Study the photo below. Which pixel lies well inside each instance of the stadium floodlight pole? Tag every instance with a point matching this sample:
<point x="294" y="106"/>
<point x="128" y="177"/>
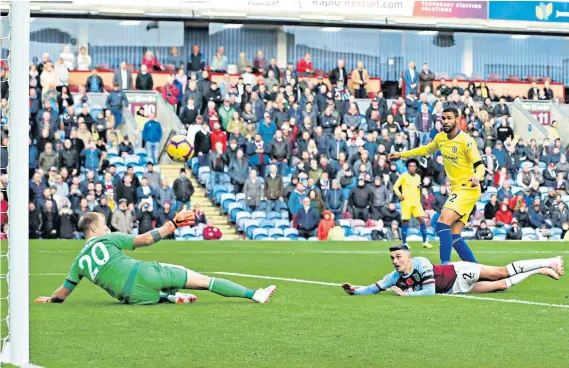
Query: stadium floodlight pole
<point x="18" y="236"/>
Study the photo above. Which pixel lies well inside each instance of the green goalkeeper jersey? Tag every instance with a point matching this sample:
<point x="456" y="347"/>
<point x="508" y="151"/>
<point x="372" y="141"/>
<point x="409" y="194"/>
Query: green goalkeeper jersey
<point x="103" y="262"/>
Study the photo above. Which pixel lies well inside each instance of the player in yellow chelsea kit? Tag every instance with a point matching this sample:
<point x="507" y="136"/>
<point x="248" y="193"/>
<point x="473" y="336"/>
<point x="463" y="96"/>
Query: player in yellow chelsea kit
<point x="410" y="197"/>
<point x="464" y="168"/>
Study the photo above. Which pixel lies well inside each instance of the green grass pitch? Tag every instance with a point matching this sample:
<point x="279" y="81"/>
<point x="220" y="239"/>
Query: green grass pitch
<point x="304" y="324"/>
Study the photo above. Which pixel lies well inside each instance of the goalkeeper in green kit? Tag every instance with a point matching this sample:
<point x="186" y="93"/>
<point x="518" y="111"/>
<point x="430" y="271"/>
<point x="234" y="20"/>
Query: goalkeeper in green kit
<point x="103" y="262"/>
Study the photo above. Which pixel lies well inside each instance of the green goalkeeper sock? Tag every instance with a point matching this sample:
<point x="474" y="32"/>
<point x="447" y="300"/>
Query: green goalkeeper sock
<point x="228" y="288"/>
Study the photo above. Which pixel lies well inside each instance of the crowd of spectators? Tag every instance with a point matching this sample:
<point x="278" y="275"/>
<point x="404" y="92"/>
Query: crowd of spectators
<point x="271" y="125"/>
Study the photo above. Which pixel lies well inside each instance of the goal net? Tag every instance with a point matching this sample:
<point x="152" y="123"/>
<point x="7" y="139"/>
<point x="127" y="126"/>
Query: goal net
<point x="14" y="158"/>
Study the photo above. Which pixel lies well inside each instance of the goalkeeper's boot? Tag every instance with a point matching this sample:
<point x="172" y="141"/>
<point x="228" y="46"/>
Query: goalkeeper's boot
<point x="427" y="245"/>
<point x="182" y="298"/>
<point x="262" y="295"/>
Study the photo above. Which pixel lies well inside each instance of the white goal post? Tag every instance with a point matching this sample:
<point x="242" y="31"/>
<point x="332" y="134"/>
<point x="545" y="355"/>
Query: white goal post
<point x="17" y="348"/>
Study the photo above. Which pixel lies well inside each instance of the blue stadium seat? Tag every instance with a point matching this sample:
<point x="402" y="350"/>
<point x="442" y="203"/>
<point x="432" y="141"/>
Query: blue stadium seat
<point x="112" y="152"/>
<point x="95" y="110"/>
<point x="234" y="209"/>
<point x="258" y="215"/>
<point x="139" y="151"/>
<point x="240" y="197"/>
<point x="283" y="239"/>
<point x="556" y="231"/>
<point x="121" y="170"/>
<point x="365" y="232"/>
<point x="556" y="237"/>
<point x="251" y="225"/>
<point x="291" y="233"/>
<point x="226" y="199"/>
<point x="491" y="190"/>
<point x="527" y="163"/>
<point x="284" y="214"/>
<point x="117" y="161"/>
<point x="529" y="237"/>
<point x="499" y="231"/>
<point x="132" y="160"/>
<point x="542" y="165"/>
<point x="240" y="218"/>
<point x="282" y="224"/>
<point x="139" y="170"/>
<point x="414" y="237"/>
<point x="313" y="238"/>
<point x="273" y="215"/>
<point x="528" y="231"/>
<point x="260" y="234"/>
<point x="500" y="237"/>
<point x="468" y="234"/>
<point x="276" y="233"/>
<point x="267" y="224"/>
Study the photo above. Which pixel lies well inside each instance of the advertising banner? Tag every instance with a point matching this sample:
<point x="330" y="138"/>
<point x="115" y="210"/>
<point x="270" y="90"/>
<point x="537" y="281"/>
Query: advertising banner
<point x="370" y="7"/>
<point x="451" y="9"/>
<point x="541" y="111"/>
<point x="532" y="11"/>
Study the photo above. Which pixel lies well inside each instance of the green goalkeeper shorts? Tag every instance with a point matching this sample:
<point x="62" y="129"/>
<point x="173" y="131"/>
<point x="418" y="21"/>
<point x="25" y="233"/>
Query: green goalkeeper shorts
<point x="153" y="278"/>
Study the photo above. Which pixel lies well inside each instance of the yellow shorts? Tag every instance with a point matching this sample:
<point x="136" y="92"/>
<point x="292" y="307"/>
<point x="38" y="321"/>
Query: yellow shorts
<point x="411" y="209"/>
<point x="462" y="201"/>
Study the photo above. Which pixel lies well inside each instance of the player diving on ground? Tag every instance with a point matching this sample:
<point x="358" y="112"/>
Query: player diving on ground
<point x="464" y="169"/>
<point x="417" y="276"/>
<point x="103" y="262"/>
<point x="407" y="188"/>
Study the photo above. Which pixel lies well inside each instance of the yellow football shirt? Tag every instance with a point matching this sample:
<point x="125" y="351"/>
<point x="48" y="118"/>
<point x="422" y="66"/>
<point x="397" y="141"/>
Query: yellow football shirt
<point x="459" y="156"/>
<point x="410" y="188"/>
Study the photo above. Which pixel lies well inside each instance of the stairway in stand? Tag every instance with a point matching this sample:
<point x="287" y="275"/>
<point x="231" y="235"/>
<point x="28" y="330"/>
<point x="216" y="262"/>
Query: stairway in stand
<point x="172" y="172"/>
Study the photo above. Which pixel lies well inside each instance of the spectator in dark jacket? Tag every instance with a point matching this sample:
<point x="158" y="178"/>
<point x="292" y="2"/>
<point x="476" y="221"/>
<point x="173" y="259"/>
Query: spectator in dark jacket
<point x="66" y="223"/>
<point x="360" y="200"/>
<point x="337" y="145"/>
<point x="538" y="219"/>
<point x="202" y="144"/>
<point x="515" y="232"/>
<point x="104" y="209"/>
<point x="127" y="190"/>
<point x="35" y="217"/>
<point x="145" y="216"/>
<point x="189" y="112"/>
<point x="483" y="232"/>
<point x="94" y="82"/>
<point x="183" y="190"/>
<point x="338" y="73"/>
<point x="49" y="220"/>
<point x="491" y="208"/>
<point x="307" y="219"/>
<point x="164" y="215"/>
<point x="501" y="109"/>
<point x="144" y="80"/>
<point x="390" y="214"/>
<point x="125" y="147"/>
<point x="116" y="100"/>
<point x="335" y="199"/>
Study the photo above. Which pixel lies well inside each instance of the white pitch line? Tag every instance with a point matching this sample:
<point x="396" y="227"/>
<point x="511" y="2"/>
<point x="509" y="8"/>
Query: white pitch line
<point x="293" y="251"/>
<point x="515" y="301"/>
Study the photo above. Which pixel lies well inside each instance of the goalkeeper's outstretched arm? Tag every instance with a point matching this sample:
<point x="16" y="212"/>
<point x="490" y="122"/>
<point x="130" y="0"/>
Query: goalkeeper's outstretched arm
<point x="183" y="218"/>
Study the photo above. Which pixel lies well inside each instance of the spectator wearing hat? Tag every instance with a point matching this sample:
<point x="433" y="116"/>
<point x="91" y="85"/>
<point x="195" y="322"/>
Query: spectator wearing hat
<point x="122" y="219"/>
<point x="360" y="79"/>
<point x="211" y="232"/>
<point x="483" y="232"/>
<point x="325" y="225"/>
<point x="152" y="135"/>
<point x="360" y="200"/>
<point x="183" y="191"/>
<point x="144" y="81"/>
<point x="515" y="232"/>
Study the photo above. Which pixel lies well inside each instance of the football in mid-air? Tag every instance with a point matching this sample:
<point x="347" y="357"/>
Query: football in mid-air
<point x="179" y="148"/>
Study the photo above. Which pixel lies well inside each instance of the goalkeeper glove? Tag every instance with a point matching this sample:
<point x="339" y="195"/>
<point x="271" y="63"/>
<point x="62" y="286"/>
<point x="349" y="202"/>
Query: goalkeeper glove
<point x="184" y="218"/>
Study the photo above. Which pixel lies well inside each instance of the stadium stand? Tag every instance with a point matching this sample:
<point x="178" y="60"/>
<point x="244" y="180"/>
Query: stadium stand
<point x="304" y="134"/>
